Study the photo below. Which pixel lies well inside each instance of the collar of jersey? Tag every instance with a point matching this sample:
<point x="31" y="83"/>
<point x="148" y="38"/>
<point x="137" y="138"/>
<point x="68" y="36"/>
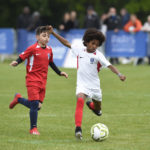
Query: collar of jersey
<point x="38" y="46"/>
<point x="89" y="52"/>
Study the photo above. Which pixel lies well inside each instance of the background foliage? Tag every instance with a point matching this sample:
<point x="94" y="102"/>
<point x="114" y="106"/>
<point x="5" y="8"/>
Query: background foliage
<point x="53" y="10"/>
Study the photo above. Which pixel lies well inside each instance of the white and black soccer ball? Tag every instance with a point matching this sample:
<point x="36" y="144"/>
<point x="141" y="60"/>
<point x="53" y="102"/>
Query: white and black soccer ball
<point x="99" y="132"/>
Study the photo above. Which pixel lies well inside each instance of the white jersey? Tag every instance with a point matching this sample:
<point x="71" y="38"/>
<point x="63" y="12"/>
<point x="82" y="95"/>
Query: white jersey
<point x="88" y="66"/>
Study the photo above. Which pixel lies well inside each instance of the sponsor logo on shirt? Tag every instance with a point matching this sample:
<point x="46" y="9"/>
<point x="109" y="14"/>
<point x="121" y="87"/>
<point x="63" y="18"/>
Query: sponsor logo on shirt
<point x="37" y="54"/>
<point x="91" y="60"/>
<point x="37" y="46"/>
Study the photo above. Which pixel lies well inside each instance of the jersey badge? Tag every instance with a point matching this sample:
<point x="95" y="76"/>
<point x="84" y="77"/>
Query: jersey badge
<point x="91" y="60"/>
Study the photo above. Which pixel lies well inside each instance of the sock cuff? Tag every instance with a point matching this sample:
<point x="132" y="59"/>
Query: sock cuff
<point x="80" y="99"/>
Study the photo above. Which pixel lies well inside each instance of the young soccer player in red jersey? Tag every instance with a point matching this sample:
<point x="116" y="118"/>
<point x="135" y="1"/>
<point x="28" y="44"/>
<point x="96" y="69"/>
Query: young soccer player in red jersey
<point x="90" y="61"/>
<point x="39" y="56"/>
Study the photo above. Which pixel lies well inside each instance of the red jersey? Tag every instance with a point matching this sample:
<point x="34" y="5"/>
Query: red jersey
<point x="38" y="60"/>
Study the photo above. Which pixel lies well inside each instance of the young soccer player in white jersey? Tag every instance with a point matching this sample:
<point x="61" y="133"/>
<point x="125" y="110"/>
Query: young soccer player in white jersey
<point x="90" y="60"/>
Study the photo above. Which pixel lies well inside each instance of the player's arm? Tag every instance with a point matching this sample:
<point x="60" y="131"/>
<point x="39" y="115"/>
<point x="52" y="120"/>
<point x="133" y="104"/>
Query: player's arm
<point x="24" y="55"/>
<point x="55" y="68"/>
<point x="116" y="71"/>
<point x="60" y="38"/>
<point x="16" y="62"/>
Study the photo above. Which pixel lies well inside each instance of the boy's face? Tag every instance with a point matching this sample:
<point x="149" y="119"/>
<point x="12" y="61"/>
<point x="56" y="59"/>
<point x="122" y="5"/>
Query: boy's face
<point x="43" y="38"/>
<point x="92" y="46"/>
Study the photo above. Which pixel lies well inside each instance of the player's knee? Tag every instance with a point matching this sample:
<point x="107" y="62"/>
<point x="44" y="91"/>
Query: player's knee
<point x="81" y="96"/>
<point x="35" y="104"/>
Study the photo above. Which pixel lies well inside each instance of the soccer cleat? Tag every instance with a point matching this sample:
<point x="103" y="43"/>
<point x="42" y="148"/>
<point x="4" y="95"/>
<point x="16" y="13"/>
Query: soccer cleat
<point x="97" y="112"/>
<point x="78" y="133"/>
<point x="34" y="131"/>
<point x="14" y="101"/>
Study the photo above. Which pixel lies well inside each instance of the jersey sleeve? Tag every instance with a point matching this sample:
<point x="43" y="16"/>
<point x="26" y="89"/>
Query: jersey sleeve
<point x="26" y="54"/>
<point x="103" y="61"/>
<point x="51" y="57"/>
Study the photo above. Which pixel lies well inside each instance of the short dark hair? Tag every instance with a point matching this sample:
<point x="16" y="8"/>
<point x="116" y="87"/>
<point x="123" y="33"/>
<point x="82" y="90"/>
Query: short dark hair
<point x="93" y="34"/>
<point x="41" y="29"/>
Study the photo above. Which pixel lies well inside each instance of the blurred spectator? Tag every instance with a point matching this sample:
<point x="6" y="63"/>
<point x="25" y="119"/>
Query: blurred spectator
<point x="146" y="28"/>
<point x="103" y="27"/>
<point x="113" y="22"/>
<point x="133" y="25"/>
<point x="125" y="16"/>
<point x="66" y="24"/>
<point x="24" y="19"/>
<point x="36" y="21"/>
<point x="73" y="18"/>
<point x="91" y="19"/>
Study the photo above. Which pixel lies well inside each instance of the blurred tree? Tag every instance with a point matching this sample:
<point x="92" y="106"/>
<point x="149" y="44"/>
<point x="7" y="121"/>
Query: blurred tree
<point x="52" y="10"/>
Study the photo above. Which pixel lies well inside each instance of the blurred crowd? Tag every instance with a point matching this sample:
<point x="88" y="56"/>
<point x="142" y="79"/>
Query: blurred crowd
<point x="104" y="22"/>
<point x="28" y="21"/>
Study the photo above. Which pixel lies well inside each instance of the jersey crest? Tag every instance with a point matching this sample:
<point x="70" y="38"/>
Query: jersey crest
<point x="91" y="60"/>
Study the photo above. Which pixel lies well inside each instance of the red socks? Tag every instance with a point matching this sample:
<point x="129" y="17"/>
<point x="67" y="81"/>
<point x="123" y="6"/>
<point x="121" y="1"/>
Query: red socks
<point x="92" y="106"/>
<point x="79" y="112"/>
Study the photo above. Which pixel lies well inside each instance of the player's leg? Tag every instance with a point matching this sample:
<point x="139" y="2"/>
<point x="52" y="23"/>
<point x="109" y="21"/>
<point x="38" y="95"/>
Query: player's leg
<point x="79" y="114"/>
<point x="33" y="96"/>
<point x="39" y="93"/>
<point x="19" y="99"/>
<point x="95" y="104"/>
<point x="33" y="117"/>
<point x="41" y="97"/>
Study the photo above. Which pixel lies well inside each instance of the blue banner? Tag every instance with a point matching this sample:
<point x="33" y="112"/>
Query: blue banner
<point x="121" y="44"/>
<point x="7" y="41"/>
<point x="126" y="44"/>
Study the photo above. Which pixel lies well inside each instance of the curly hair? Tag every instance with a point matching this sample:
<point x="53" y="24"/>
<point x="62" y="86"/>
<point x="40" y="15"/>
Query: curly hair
<point x="93" y="34"/>
<point x="41" y="29"/>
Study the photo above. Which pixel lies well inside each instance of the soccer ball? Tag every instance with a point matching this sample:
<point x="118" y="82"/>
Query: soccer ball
<point x="99" y="132"/>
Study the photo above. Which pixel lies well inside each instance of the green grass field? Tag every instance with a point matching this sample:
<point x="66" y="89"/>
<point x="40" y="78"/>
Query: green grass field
<point x="126" y="112"/>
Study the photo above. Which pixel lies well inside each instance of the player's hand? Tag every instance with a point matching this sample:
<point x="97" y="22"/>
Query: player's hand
<point x="50" y="29"/>
<point x="13" y="63"/>
<point x="122" y="77"/>
<point x="64" y="74"/>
